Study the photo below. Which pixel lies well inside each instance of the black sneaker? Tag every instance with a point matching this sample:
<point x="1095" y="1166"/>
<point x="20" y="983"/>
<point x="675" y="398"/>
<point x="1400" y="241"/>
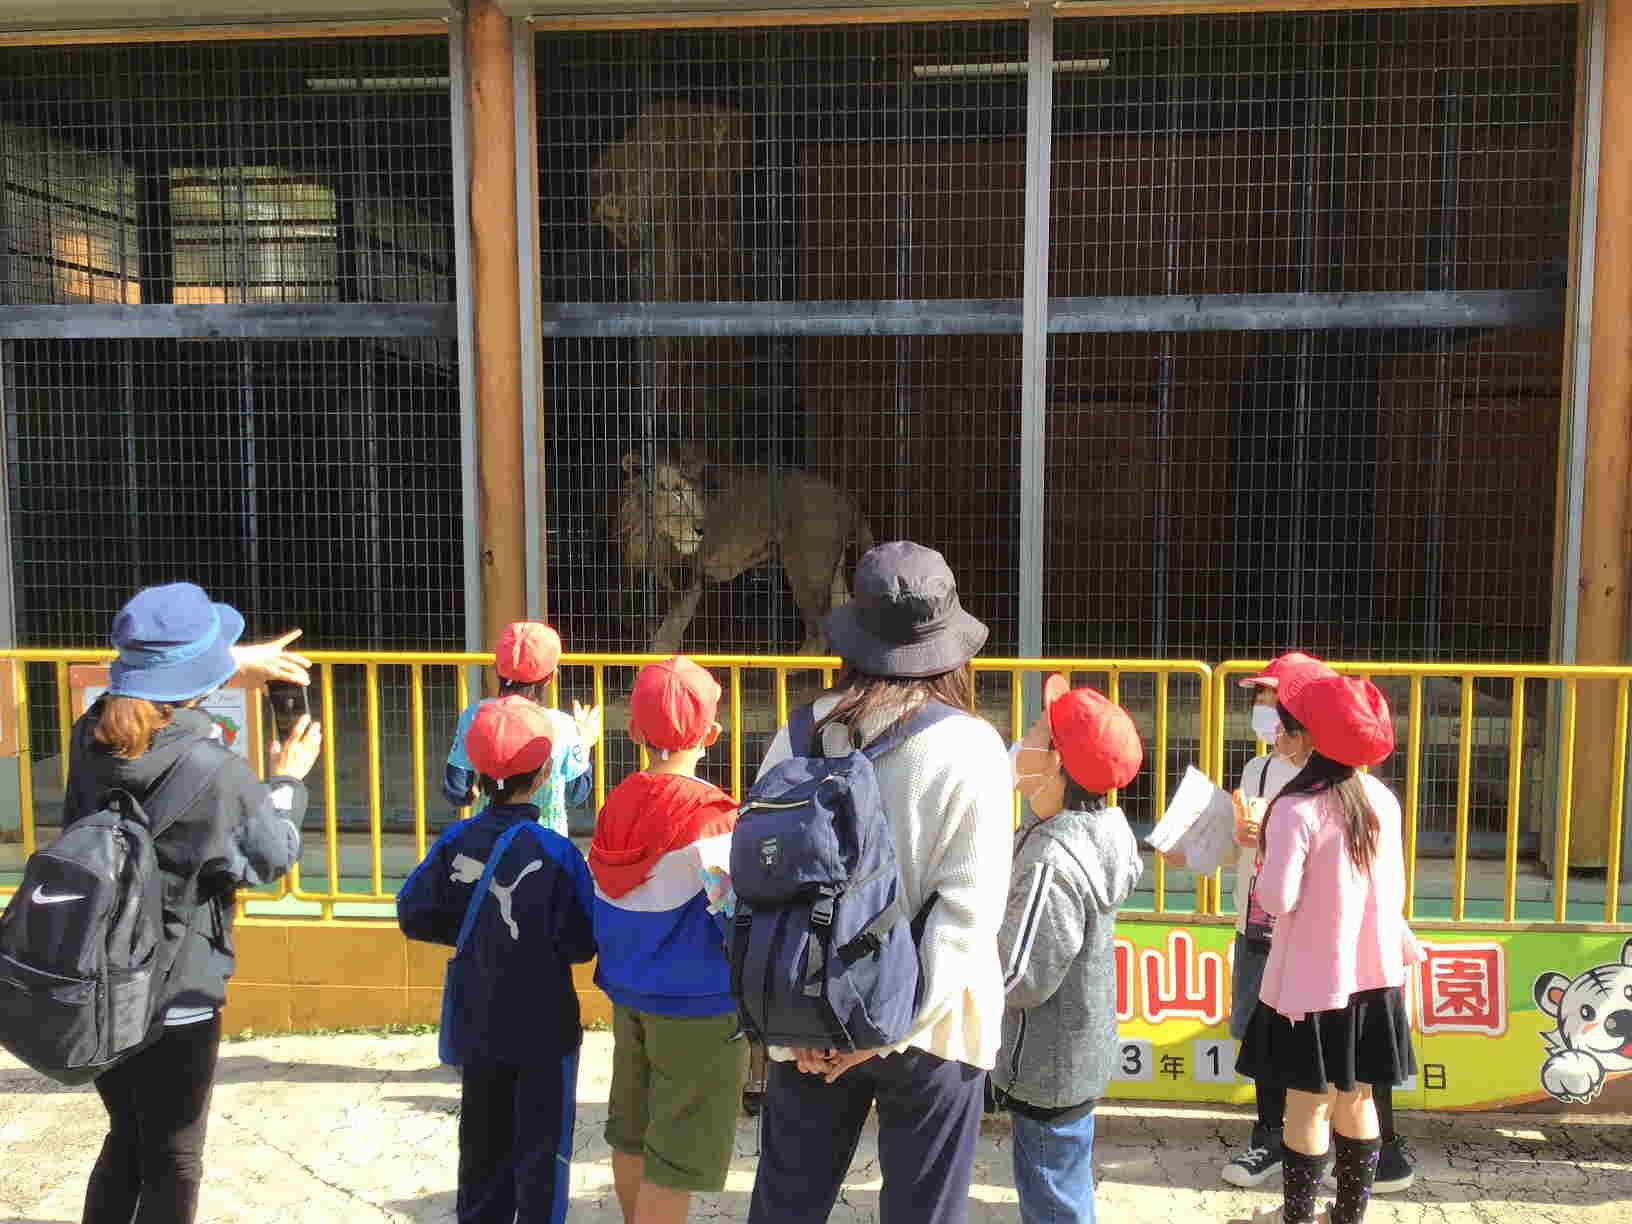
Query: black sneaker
<point x="1394" y="1171"/>
<point x="1258" y="1163"/>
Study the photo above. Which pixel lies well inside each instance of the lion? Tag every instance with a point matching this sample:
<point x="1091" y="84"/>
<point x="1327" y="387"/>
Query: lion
<point x="692" y="521"/>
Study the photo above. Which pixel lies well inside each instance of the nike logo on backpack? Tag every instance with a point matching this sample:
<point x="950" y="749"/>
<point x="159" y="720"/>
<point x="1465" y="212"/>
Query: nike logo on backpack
<point x="41" y="897"/>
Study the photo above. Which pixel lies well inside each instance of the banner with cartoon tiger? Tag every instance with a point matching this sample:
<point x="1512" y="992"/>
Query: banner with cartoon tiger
<point x="1528" y="1021"/>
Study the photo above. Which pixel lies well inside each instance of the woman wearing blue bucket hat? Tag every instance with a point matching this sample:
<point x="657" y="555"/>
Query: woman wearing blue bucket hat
<point x="226" y="828"/>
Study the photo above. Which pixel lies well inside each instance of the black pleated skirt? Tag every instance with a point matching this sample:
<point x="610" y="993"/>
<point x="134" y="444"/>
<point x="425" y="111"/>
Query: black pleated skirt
<point x="1369" y="1042"/>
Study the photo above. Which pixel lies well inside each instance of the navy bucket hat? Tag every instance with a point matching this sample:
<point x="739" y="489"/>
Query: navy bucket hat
<point x="173" y="644"/>
<point x="904" y="619"/>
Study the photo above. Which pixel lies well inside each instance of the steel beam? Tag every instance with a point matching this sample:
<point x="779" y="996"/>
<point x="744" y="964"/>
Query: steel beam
<point x="269" y="321"/>
<point x="1235" y="312"/>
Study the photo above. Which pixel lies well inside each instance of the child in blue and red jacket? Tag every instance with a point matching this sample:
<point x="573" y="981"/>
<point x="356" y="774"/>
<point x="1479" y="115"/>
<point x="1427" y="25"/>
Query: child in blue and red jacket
<point x="678" y="1058"/>
<point x="516" y="1038"/>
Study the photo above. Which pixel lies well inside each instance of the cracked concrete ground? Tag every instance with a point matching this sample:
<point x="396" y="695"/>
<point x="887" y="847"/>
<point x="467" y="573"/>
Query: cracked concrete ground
<point x="364" y="1127"/>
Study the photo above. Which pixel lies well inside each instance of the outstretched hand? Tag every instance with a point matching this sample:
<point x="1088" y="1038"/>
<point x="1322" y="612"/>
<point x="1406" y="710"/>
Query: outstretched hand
<point x="273" y="660"/>
<point x="589" y="722"/>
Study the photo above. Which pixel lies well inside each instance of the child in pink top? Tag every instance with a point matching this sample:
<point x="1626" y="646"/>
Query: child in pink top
<point x="1331" y="1018"/>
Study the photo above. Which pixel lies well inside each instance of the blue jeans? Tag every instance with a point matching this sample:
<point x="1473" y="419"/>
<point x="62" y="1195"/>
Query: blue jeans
<point x="1054" y="1170"/>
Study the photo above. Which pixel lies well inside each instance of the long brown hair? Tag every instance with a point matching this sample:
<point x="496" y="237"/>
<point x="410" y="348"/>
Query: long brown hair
<point x="862" y="696"/>
<point x="1322" y="775"/>
<point x="127" y="725"/>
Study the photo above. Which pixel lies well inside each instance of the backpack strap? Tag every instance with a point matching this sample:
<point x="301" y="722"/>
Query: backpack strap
<point x="802" y="732"/>
<point x="493" y="857"/>
<point x="925" y="717"/>
<point x="182" y="784"/>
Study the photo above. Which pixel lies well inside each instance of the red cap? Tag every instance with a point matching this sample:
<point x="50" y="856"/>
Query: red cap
<point x="673" y="703"/>
<point x="1096" y="740"/>
<point x="527" y="651"/>
<point x="1280" y="667"/>
<point x="1347" y="718"/>
<point x="509" y="736"/>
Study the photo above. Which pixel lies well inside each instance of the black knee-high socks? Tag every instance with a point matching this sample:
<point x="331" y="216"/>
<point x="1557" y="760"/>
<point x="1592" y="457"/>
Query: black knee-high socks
<point x="1300" y="1182"/>
<point x="1356" y="1169"/>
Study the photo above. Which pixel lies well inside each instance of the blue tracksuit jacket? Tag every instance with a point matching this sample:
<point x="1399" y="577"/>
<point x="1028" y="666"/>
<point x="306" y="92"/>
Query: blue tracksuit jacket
<point x="533" y="926"/>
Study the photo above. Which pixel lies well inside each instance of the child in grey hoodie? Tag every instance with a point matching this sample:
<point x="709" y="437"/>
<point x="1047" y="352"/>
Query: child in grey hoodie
<point x="1075" y="862"/>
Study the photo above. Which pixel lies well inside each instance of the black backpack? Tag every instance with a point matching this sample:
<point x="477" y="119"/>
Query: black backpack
<point x="83" y="958"/>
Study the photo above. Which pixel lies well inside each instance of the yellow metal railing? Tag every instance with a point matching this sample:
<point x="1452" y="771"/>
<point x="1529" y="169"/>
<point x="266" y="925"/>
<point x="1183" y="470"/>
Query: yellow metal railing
<point x="1520" y="762"/>
<point x="1177" y="704"/>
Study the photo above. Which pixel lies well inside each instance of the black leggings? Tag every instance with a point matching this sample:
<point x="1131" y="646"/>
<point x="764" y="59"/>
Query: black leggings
<point x="158" y="1102"/>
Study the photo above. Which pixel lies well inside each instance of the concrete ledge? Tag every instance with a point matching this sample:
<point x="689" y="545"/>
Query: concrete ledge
<point x="297" y="976"/>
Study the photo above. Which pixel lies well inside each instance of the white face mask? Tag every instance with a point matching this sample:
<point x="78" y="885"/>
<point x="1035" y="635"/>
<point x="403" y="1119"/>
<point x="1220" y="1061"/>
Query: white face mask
<point x="1266" y="723"/>
<point x="1015" y="776"/>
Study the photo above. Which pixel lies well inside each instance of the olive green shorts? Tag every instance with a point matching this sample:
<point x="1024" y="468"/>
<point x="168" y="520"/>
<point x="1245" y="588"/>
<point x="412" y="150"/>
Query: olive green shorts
<point x="676" y="1093"/>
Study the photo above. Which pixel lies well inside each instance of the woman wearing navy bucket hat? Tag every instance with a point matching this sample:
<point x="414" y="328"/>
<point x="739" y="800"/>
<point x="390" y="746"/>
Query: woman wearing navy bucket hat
<point x="1331" y="1019"/>
<point x="226" y="828"/>
<point x="906" y="642"/>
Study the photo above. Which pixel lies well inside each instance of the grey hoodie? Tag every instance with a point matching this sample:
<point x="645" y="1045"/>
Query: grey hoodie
<point x="1069" y="876"/>
<point x="239" y="831"/>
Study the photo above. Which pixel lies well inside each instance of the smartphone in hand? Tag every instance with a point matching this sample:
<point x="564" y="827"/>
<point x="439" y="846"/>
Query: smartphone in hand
<point x="285" y="704"/>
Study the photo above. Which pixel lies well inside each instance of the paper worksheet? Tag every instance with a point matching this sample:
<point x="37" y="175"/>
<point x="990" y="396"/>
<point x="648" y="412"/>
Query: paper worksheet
<point x="1199" y="821"/>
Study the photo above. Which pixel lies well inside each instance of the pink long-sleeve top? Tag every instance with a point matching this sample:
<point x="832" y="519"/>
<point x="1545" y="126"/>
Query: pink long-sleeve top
<point x="1338" y="930"/>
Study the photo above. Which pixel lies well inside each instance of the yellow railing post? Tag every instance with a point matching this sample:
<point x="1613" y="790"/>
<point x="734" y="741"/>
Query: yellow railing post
<point x="736" y="732"/>
<point x="1566" y="798"/>
<point x="331" y="814"/>
<point x="65" y="721"/>
<point x="1413" y="793"/>
<point x="1464" y="788"/>
<point x="371" y="677"/>
<point x="1617" y="806"/>
<point x="417" y="729"/>
<point x="1515" y="766"/>
<point x="25" y="758"/>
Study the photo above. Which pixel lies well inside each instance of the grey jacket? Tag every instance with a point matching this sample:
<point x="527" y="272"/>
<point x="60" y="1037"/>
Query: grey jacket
<point x="1059" y="1024"/>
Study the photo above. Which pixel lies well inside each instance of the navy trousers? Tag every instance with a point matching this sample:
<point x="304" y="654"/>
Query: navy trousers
<point x="515" y="1141"/>
<point x="928" y="1121"/>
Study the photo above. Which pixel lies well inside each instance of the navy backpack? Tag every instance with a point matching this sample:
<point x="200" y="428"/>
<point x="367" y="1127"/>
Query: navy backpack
<point x="822" y="951"/>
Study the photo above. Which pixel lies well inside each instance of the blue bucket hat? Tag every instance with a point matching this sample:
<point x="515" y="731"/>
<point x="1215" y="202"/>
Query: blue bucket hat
<point x="173" y="644"/>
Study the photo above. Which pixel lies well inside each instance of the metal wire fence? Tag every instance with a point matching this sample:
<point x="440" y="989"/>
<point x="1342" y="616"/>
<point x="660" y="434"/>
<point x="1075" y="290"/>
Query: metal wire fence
<point x="310" y="481"/>
<point x="802" y="251"/>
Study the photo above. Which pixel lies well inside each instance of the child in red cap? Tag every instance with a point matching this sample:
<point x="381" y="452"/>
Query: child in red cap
<point x="1262" y="780"/>
<point x="515" y="900"/>
<point x="526" y="657"/>
<point x="1331" y="1019"/>
<point x="678" y="1060"/>
<point x="1075" y="863"/>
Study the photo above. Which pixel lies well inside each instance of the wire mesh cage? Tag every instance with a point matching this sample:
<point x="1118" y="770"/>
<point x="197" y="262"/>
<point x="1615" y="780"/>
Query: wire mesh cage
<point x="312" y="482"/>
<point x="774" y="249"/>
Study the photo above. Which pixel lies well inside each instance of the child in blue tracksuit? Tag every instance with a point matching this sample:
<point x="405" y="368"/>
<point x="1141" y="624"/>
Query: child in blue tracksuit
<point x="513" y="1027"/>
<point x="525" y="658"/>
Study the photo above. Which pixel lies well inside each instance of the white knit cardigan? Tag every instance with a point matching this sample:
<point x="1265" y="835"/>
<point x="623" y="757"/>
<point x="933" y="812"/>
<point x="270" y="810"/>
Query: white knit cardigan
<point x="948" y="794"/>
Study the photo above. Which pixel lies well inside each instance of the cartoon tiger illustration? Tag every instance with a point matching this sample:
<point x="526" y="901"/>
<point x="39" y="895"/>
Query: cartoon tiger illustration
<point x="1594" y="1034"/>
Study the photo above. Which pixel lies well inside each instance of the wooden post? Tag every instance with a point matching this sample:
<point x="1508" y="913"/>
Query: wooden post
<point x="1606" y="512"/>
<point x="495" y="292"/>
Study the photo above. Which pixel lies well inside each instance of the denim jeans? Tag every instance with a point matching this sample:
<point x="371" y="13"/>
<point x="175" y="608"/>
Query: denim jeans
<point x="1054" y="1170"/>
